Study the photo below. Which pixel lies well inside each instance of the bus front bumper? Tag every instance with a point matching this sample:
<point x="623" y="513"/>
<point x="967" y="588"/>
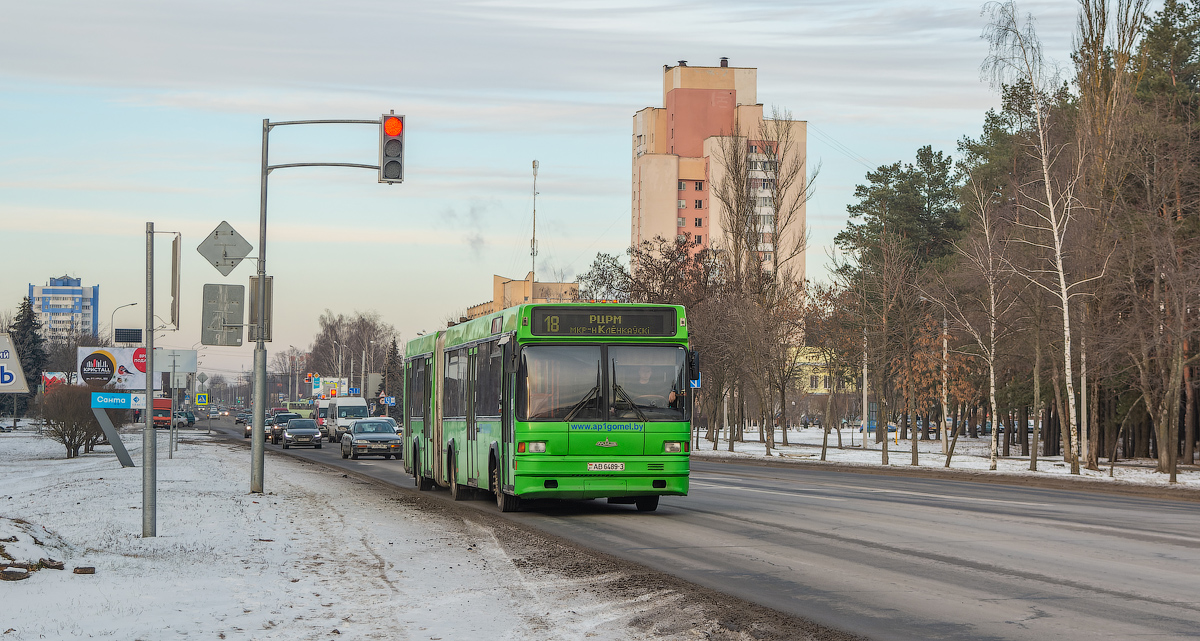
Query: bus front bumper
<point x="569" y="478"/>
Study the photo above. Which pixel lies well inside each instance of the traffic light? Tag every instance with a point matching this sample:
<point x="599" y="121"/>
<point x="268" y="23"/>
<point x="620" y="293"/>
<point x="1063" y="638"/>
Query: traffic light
<point x="391" y="148"/>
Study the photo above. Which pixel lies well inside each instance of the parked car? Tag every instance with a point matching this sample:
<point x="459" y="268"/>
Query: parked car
<point x="301" y="431"/>
<point x="371" y="437"/>
<point x="278" y="423"/>
<point x="179" y="420"/>
<point x="892" y="427"/>
<point x="190" y="416"/>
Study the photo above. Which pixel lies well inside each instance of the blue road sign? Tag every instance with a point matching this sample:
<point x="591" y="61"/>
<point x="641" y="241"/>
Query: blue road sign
<point x="696" y="383"/>
<point x="108" y="400"/>
<point x="353" y="391"/>
<point x="202" y="399"/>
<point x="389" y="400"/>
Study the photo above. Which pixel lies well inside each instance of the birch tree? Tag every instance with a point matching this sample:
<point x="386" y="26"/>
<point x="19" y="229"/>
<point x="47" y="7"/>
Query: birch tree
<point x="1050" y="197"/>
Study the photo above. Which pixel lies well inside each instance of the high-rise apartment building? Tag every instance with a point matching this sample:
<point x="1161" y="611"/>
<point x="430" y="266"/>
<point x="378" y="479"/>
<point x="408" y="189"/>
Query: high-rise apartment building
<point x="680" y="155"/>
<point x="66" y="308"/>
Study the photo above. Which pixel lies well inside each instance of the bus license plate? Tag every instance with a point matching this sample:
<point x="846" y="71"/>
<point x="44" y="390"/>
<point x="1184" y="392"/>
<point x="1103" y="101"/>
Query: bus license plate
<point x="606" y="467"/>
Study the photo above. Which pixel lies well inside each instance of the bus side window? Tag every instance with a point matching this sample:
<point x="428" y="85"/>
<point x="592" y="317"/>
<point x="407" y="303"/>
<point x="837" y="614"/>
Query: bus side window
<point x="488" y="368"/>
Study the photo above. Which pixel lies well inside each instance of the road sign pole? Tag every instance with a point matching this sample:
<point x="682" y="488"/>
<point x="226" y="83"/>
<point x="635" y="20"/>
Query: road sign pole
<point x="258" y="436"/>
<point x="149" y="438"/>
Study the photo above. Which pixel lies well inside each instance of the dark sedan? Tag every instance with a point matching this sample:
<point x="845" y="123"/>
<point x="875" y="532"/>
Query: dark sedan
<point x="301" y="431"/>
<point x="371" y="437"/>
<point x="278" y="423"/>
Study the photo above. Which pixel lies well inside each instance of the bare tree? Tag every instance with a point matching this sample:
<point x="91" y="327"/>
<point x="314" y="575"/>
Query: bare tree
<point x="978" y="308"/>
<point x="69" y="419"/>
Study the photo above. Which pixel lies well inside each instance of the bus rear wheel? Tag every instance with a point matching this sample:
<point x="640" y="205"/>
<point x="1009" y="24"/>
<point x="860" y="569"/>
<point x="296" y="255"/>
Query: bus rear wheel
<point x="647" y="503"/>
<point x="457" y="492"/>
<point x="506" y="502"/>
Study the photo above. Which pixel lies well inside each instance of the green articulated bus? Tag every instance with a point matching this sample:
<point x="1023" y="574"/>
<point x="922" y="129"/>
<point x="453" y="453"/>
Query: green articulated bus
<point x="553" y="401"/>
<point x="303" y="408"/>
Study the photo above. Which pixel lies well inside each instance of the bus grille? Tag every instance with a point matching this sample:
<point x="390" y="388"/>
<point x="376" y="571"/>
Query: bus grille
<point x="654" y="466"/>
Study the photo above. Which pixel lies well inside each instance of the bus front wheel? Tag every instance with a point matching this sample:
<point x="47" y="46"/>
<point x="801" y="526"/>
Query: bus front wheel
<point x="506" y="502"/>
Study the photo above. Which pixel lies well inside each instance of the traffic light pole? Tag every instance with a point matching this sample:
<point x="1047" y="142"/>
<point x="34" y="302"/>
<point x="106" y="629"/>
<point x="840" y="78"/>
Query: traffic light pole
<point x="259" y="406"/>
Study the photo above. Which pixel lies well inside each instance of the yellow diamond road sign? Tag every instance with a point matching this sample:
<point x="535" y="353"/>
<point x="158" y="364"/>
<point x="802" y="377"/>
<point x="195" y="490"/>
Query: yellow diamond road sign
<point x="202" y="399"/>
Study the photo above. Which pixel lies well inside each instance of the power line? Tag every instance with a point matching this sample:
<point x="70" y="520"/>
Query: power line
<point x="840" y="148"/>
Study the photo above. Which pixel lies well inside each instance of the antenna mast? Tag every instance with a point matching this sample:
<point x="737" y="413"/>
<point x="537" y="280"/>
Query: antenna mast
<point x="533" y="241"/>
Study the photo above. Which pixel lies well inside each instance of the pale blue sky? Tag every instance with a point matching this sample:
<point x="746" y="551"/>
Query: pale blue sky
<point x="118" y="112"/>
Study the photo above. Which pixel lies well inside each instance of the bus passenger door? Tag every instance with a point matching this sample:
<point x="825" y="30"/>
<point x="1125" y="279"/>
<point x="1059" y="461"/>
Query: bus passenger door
<point x="508" y="407"/>
<point x="437" y="378"/>
<point x="472" y="451"/>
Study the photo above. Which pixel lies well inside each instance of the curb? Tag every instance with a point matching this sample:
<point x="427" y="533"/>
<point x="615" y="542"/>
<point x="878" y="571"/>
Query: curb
<point x="998" y="478"/>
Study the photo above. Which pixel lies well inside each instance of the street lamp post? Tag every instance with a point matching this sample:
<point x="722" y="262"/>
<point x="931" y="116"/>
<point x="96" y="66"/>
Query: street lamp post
<point x="339" y="348"/>
<point x="112" y="319"/>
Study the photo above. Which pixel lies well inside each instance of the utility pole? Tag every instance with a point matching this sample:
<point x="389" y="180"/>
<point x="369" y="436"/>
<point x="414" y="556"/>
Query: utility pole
<point x="257" y="435"/>
<point x="149" y="438"/>
<point x="865" y="407"/>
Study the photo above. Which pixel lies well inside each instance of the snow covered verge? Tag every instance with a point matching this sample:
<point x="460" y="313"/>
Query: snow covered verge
<point x="970" y="455"/>
<point x="321" y="556"/>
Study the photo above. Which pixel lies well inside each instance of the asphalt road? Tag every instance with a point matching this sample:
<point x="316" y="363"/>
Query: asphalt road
<point x="898" y="558"/>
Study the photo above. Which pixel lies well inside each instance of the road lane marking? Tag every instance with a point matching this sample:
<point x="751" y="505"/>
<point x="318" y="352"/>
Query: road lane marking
<point x="792" y="493"/>
<point x="955" y="498"/>
<point x="921" y="494"/>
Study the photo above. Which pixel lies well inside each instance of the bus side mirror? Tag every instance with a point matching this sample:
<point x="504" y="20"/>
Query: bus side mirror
<point x="693" y="366"/>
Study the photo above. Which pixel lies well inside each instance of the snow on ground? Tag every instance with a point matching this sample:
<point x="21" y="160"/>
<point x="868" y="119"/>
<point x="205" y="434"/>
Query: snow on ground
<point x="321" y="556"/>
<point x="969" y="454"/>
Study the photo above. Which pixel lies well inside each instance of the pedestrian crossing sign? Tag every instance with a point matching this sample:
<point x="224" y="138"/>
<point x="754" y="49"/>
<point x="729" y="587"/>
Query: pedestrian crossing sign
<point x="202" y="399"/>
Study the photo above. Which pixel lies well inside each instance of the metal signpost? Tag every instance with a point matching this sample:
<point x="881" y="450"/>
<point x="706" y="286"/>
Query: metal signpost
<point x="109" y="400"/>
<point x="149" y="438"/>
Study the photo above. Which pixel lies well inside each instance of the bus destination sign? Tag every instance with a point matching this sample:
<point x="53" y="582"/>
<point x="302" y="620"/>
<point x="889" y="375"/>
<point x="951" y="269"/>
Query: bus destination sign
<point x="600" y="321"/>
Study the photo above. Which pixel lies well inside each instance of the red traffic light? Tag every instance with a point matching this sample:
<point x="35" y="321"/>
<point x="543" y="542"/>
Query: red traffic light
<point x="393" y="126"/>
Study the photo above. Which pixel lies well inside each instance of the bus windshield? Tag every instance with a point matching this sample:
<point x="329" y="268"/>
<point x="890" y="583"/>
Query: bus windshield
<point x="648" y="382"/>
<point x="593" y="382"/>
<point x="323" y="412"/>
<point x="352" y="411"/>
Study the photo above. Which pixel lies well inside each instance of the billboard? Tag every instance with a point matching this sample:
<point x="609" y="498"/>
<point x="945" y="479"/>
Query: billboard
<point x="50" y="379"/>
<point x="120" y="367"/>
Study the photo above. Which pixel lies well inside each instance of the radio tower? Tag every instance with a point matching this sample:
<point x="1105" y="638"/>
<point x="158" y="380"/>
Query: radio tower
<point x="533" y="241"/>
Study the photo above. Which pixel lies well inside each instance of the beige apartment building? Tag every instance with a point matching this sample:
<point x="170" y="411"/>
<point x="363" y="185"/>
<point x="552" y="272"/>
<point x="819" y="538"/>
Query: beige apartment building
<point x="678" y="158"/>
<point x="507" y="292"/>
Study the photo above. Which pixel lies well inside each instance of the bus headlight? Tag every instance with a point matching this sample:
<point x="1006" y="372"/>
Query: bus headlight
<point x="537" y="447"/>
<point x="673" y="447"/>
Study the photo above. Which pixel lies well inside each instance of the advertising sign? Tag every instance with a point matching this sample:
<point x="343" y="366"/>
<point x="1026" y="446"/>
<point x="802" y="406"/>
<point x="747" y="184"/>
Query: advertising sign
<point x="119" y="400"/>
<point x="50" y="379"/>
<point x="121" y="367"/>
<point x="12" y="377"/>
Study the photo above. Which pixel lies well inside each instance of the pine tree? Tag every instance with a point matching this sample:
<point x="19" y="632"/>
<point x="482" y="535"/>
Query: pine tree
<point x="393" y="380"/>
<point x="26" y="336"/>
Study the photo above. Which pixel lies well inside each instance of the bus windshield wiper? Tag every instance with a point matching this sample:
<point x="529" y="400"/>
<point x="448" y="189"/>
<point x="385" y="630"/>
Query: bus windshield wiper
<point x="592" y="393"/>
<point x="621" y="392"/>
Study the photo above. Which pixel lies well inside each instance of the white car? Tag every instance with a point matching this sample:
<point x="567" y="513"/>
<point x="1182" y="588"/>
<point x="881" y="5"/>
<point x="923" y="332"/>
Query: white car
<point x="214" y="414"/>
